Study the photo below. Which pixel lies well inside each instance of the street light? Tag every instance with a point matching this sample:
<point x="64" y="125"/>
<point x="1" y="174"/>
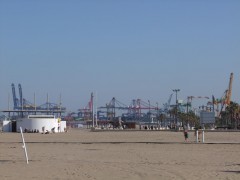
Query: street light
<point x="157" y="115"/>
<point x="157" y="109"/>
<point x="176" y="91"/>
<point x="149" y="109"/>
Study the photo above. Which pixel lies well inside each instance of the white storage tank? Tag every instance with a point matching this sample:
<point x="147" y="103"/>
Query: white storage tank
<point x="6" y="126"/>
<point x="40" y="123"/>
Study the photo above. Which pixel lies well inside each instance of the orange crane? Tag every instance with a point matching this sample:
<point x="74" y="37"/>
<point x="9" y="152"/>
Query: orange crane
<point x="226" y="98"/>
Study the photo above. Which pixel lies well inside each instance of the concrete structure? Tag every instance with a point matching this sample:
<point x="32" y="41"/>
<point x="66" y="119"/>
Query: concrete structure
<point x="41" y="123"/>
<point x="6" y="126"/>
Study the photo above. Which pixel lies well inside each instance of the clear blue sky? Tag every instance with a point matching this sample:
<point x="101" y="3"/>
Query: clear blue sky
<point x="126" y="49"/>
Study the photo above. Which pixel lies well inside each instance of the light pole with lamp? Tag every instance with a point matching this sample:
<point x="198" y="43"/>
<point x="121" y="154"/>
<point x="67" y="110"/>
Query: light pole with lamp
<point x="176" y="91"/>
<point x="158" y="121"/>
<point x="149" y="110"/>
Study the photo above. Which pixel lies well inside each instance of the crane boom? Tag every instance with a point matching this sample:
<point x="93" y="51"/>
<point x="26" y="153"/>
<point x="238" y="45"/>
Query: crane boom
<point x="167" y="105"/>
<point x="191" y="97"/>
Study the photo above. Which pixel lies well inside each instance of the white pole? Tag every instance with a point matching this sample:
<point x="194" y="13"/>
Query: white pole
<point x="92" y="99"/>
<point x="8" y="101"/>
<point x="203" y="136"/>
<point x="60" y="103"/>
<point x="24" y="145"/>
<point x="47" y="103"/>
<point x="22" y="102"/>
<point x="35" y="107"/>
<point x="197" y="136"/>
<point x="96" y="108"/>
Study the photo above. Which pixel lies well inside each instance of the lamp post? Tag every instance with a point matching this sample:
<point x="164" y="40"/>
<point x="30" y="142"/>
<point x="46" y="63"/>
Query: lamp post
<point x="157" y="110"/>
<point x="149" y="109"/>
<point x="188" y="103"/>
<point x="176" y="91"/>
<point x="157" y="115"/>
<point x="92" y="110"/>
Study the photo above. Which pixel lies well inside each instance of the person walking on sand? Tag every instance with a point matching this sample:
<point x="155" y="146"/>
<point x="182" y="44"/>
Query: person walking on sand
<point x="185" y="135"/>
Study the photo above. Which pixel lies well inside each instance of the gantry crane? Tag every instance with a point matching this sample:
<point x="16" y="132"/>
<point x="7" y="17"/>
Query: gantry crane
<point x="15" y="99"/>
<point x="23" y="104"/>
<point x="190" y="98"/>
<point x="167" y="105"/>
<point x="226" y="97"/>
<point x="135" y="110"/>
<point x="20" y="95"/>
<point x="87" y="111"/>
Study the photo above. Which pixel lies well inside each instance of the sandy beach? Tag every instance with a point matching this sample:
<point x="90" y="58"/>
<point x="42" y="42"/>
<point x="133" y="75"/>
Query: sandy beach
<point x="81" y="154"/>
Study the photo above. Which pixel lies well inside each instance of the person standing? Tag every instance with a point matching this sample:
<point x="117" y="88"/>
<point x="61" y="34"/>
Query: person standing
<point x="185" y="135"/>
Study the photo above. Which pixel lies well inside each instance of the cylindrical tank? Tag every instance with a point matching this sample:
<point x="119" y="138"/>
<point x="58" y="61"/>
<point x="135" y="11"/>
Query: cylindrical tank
<point x="38" y="123"/>
<point x="7" y="126"/>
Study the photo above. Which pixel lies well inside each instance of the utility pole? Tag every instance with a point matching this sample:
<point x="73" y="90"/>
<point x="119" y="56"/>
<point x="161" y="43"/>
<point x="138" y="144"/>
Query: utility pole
<point x="92" y="106"/>
<point x="187" y="113"/>
<point x="176" y="91"/>
<point x="96" y="117"/>
<point x="149" y="110"/>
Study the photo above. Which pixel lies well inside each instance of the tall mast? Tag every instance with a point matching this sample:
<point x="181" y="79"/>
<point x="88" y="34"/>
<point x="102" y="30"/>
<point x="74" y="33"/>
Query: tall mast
<point x="229" y="94"/>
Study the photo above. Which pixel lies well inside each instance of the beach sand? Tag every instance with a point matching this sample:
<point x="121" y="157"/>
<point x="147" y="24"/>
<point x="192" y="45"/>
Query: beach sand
<point x="82" y="154"/>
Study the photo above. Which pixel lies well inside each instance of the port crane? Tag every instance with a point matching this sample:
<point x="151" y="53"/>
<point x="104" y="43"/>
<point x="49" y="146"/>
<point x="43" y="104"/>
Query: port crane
<point x="225" y="100"/>
<point x="133" y="111"/>
<point x="112" y="106"/>
<point x="24" y="105"/>
<point x="15" y="99"/>
<point x="136" y="108"/>
<point x="20" y="103"/>
<point x="190" y="99"/>
<point x="87" y="111"/>
<point x="167" y="105"/>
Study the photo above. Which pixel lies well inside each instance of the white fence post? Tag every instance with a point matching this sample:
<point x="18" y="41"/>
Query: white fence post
<point x="196" y="136"/>
<point x="24" y="145"/>
<point x="203" y="137"/>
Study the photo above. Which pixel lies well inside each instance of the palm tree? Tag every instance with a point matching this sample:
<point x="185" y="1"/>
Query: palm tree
<point x="189" y="119"/>
<point x="193" y="119"/>
<point x="172" y="113"/>
<point x="160" y="119"/>
<point x="231" y="113"/>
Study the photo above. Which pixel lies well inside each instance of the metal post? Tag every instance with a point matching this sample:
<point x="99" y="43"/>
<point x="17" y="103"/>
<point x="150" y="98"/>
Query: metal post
<point x="176" y="91"/>
<point x="60" y="105"/>
<point x="197" y="136"/>
<point x="24" y="145"/>
<point x="203" y="137"/>
<point x="47" y="104"/>
<point x="8" y="101"/>
<point x="149" y="110"/>
<point x="96" y="118"/>
<point x="92" y="111"/>
<point x="35" y="107"/>
<point x="187" y="113"/>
